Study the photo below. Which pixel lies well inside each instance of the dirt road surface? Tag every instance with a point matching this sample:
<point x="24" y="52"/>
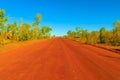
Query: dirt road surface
<point x="59" y="59"/>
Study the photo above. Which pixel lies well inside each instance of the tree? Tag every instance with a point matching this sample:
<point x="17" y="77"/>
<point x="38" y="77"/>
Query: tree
<point x="46" y="31"/>
<point x="93" y="37"/>
<point x="110" y="37"/>
<point x="24" y="32"/>
<point x="3" y="19"/>
<point x="78" y="31"/>
<point x="84" y="36"/>
<point x="116" y="33"/>
<point x="36" y="27"/>
<point x="11" y="30"/>
<point x="38" y="18"/>
<point x="71" y="34"/>
<point x="102" y="35"/>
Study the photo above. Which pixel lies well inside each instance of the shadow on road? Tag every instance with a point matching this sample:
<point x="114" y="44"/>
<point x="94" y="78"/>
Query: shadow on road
<point x="109" y="56"/>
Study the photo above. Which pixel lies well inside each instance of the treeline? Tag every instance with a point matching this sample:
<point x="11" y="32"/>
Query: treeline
<point x="21" y="31"/>
<point x="102" y="36"/>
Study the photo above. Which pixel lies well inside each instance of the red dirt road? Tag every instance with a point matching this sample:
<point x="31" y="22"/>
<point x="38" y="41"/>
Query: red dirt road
<point x="59" y="59"/>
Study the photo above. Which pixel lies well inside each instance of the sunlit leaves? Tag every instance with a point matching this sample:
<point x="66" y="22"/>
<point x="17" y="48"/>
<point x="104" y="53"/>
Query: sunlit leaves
<point x="111" y="37"/>
<point x="22" y="31"/>
<point x="46" y="31"/>
<point x="103" y="35"/>
<point x="38" y="18"/>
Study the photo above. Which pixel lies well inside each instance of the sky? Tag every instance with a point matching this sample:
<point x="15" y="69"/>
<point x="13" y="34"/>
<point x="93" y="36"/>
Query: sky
<point x="64" y="15"/>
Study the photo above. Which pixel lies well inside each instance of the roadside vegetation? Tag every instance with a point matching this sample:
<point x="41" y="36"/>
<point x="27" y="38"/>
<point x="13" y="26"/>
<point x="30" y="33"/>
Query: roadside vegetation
<point x="102" y="36"/>
<point x="21" y="31"/>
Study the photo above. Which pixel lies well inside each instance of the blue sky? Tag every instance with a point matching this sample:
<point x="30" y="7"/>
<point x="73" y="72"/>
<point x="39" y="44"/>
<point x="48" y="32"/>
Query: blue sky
<point x="62" y="15"/>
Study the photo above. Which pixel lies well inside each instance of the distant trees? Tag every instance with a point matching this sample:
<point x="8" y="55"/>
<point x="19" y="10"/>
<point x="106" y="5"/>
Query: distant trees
<point x="23" y="31"/>
<point x="46" y="31"/>
<point x="110" y="37"/>
<point x="3" y="19"/>
<point x="36" y="28"/>
<point x="93" y="37"/>
<point x="71" y="34"/>
<point x="84" y="36"/>
<point x="103" y="36"/>
<point x="79" y="34"/>
<point x="116" y="33"/>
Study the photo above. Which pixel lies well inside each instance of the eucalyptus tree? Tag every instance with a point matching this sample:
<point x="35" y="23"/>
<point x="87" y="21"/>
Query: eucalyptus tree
<point x="12" y="30"/>
<point x="103" y="35"/>
<point x="46" y="31"/>
<point x="116" y="32"/>
<point x="3" y="19"/>
<point x="36" y="27"/>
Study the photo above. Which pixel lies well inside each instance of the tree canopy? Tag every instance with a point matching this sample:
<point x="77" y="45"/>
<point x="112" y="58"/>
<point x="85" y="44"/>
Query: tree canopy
<point x="103" y="36"/>
<point x="23" y="31"/>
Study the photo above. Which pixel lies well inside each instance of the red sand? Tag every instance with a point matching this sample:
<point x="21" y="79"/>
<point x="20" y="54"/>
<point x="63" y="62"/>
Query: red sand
<point x="59" y="59"/>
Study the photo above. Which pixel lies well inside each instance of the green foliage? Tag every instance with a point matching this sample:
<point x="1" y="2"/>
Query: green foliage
<point x="116" y="33"/>
<point x="93" y="37"/>
<point x="84" y="36"/>
<point x="23" y="31"/>
<point x="102" y="35"/>
<point x="46" y="31"/>
<point x="71" y="34"/>
<point x="38" y="18"/>
<point x="110" y="37"/>
<point x="3" y="19"/>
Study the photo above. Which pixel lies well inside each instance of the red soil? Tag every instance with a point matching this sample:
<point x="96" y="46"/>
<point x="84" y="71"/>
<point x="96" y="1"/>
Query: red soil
<point x="59" y="59"/>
